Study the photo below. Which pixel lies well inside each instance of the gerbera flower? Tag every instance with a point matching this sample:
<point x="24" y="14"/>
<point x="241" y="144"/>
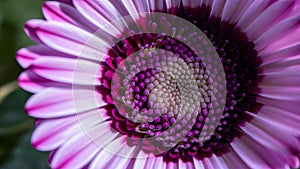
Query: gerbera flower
<point x="165" y="84"/>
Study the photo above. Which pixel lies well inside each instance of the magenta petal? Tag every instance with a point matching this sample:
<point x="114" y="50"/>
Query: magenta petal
<point x="60" y="12"/>
<point x="277" y="32"/>
<point x="72" y="40"/>
<point x="31" y="29"/>
<point x="267" y="18"/>
<point x="50" y="134"/>
<point x="52" y="102"/>
<point x="115" y="155"/>
<point x="66" y="70"/>
<point x="26" y="56"/>
<point x="217" y="7"/>
<point x="98" y="13"/>
<point x="83" y="148"/>
<point x="34" y="83"/>
<point x="254" y="10"/>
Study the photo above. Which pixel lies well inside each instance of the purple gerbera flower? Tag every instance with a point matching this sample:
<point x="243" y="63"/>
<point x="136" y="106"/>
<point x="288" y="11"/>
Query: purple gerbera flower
<point x="165" y="83"/>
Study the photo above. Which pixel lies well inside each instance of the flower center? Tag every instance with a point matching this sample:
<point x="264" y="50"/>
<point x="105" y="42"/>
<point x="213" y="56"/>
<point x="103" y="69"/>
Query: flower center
<point x="164" y="90"/>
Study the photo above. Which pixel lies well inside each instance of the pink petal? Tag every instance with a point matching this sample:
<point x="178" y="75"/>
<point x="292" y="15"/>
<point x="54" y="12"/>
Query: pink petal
<point x="172" y="165"/>
<point x="288" y="79"/>
<point x="53" y="102"/>
<point x="198" y="164"/>
<point x="34" y="83"/>
<point x="100" y="13"/>
<point x="267" y="19"/>
<point x="66" y="1"/>
<point x="185" y="165"/>
<point x="284" y="52"/>
<point x="72" y="40"/>
<point x="193" y="4"/>
<point x="281" y="93"/>
<point x="254" y="10"/>
<point x="80" y="149"/>
<point x="52" y="133"/>
<point x="171" y="5"/>
<point x="30" y="29"/>
<point x="140" y="163"/>
<point x="217" y="8"/>
<point x="218" y="162"/>
<point x="207" y="163"/>
<point x="55" y="11"/>
<point x="262" y="130"/>
<point x="234" y="161"/>
<point x="287" y="105"/>
<point x="73" y="71"/>
<point x="277" y="32"/>
<point x="291" y="38"/>
<point x="240" y="10"/>
<point x="155" y="162"/>
<point x="115" y="155"/>
<point x="270" y="158"/>
<point x="248" y="155"/>
<point x="159" y="163"/>
<point x="228" y="9"/>
<point x="26" y="56"/>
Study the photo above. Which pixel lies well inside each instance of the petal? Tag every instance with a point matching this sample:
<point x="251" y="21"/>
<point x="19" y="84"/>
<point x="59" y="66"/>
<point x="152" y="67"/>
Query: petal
<point x="281" y="92"/>
<point x="185" y="165"/>
<point x="198" y="163"/>
<point x="192" y="4"/>
<point x="26" y="56"/>
<point x="252" y="12"/>
<point x="34" y="83"/>
<point x="55" y="11"/>
<point x="217" y="8"/>
<point x="284" y="52"/>
<point x="30" y="29"/>
<point x="172" y="165"/>
<point x="262" y="130"/>
<point x="172" y="5"/>
<point x="267" y="19"/>
<point x="116" y="154"/>
<point x="81" y="149"/>
<point x="159" y="163"/>
<point x="52" y="133"/>
<point x="158" y="5"/>
<point x="66" y="1"/>
<point x="281" y="79"/>
<point x="248" y="155"/>
<point x="72" y="40"/>
<point x="228" y="9"/>
<point x="207" y="164"/>
<point x="277" y="32"/>
<point x="270" y="158"/>
<point x="287" y="105"/>
<point x="73" y="71"/>
<point x="53" y="102"/>
<point x="239" y="10"/>
<point x="218" y="162"/>
<point x="234" y="161"/>
<point x="100" y="13"/>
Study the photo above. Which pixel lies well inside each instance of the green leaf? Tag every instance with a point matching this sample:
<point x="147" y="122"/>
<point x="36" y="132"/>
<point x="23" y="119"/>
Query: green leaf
<point x="12" y="109"/>
<point x="26" y="157"/>
<point x="13" y="15"/>
<point x="13" y="121"/>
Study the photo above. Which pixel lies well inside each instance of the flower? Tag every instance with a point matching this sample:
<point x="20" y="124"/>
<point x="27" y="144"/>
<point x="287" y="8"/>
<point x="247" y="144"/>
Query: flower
<point x="129" y="85"/>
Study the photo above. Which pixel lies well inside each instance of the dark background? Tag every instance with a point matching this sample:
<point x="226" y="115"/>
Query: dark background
<point x="16" y="127"/>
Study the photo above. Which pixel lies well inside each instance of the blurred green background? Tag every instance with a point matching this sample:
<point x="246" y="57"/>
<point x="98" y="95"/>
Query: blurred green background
<point x="16" y="151"/>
